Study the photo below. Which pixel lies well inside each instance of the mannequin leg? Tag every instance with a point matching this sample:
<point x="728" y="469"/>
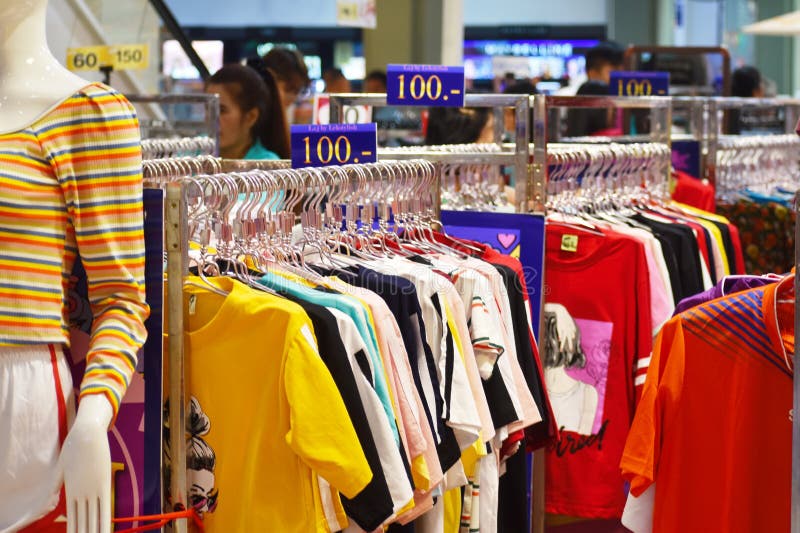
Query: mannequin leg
<point x="35" y="402"/>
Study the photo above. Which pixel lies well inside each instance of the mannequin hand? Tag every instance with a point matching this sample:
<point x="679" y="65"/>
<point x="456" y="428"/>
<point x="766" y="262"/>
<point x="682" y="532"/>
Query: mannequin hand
<point x="86" y="463"/>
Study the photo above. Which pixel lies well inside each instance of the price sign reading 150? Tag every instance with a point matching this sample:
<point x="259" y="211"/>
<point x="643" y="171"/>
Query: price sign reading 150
<point x="425" y="85"/>
<point x="333" y="144"/>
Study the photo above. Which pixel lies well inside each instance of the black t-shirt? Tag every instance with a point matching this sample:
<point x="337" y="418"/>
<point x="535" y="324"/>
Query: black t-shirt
<point x="687" y="252"/>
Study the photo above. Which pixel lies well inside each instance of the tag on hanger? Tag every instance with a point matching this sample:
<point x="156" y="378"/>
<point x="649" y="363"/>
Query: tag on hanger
<point x="569" y="243"/>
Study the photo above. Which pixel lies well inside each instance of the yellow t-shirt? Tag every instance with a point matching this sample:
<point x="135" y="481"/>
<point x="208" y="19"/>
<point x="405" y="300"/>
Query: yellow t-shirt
<point x="265" y="414"/>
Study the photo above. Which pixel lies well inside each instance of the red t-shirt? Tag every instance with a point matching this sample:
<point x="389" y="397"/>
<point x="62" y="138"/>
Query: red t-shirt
<point x="713" y="429"/>
<point x="603" y="289"/>
<point x="692" y="191"/>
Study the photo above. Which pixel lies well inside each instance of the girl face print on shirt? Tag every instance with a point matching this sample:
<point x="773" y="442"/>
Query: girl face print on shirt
<point x="576" y="355"/>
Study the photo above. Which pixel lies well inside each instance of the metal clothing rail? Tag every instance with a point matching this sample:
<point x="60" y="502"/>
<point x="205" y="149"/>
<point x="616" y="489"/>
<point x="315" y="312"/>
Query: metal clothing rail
<point x="177" y="115"/>
<point x="705" y="120"/>
<point x="177" y="256"/>
<point x="526" y="193"/>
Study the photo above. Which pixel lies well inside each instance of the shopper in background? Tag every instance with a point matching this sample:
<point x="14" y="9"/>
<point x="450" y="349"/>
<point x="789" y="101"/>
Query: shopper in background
<point x="375" y="82"/>
<point x="601" y="61"/>
<point x="459" y="125"/>
<point x="290" y="72"/>
<point x="746" y="82"/>
<point x="335" y="81"/>
<point x="252" y="124"/>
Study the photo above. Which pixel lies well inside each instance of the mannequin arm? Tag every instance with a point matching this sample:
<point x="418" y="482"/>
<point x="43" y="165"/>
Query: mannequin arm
<point x="86" y="464"/>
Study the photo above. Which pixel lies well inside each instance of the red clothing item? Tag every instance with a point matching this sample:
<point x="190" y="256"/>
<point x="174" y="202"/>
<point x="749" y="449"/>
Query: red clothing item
<point x="602" y="290"/>
<point x="693" y="191"/>
<point x="737" y="247"/>
<point x="713" y="429"/>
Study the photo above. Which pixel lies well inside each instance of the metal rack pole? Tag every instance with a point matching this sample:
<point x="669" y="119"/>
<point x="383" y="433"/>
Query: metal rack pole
<point x="525" y="189"/>
<point x="177" y="239"/>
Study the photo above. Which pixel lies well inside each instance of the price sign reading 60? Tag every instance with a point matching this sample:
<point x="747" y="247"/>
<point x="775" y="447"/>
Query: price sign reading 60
<point x="425" y="85"/>
<point x="639" y="83"/>
<point x="333" y="144"/>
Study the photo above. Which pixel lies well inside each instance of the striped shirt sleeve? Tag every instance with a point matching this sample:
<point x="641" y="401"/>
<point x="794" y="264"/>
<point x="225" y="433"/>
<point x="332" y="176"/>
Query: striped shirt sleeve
<point x="94" y="147"/>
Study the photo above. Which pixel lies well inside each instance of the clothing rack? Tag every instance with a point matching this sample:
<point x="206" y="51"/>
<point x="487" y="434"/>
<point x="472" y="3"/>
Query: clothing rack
<point x="474" y="156"/>
<point x="177" y="115"/>
<point x="706" y="119"/>
<point x="516" y="155"/>
<point x="182" y="192"/>
<point x="179" y="147"/>
<point x="757" y="162"/>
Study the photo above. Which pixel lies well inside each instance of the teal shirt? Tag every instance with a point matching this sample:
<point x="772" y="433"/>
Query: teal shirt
<point x="257" y="151"/>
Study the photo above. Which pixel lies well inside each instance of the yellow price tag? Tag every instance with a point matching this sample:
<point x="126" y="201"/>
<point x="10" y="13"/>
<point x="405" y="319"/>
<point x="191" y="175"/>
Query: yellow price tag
<point x="569" y="243"/>
<point x="118" y="57"/>
<point x="129" y="56"/>
<point x="87" y="58"/>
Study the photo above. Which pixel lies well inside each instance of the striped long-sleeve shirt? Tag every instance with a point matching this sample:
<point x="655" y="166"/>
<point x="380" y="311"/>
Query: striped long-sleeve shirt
<point x="71" y="184"/>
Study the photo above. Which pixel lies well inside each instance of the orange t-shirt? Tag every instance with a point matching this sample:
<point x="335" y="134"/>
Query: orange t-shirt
<point x="713" y="429"/>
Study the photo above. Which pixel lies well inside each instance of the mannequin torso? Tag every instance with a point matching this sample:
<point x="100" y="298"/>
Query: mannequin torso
<point x="42" y="173"/>
<point x="32" y="81"/>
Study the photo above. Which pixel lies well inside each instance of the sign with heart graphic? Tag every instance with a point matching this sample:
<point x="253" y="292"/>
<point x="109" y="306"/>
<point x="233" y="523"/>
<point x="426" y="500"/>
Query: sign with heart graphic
<point x="506" y="240"/>
<point x="517" y="235"/>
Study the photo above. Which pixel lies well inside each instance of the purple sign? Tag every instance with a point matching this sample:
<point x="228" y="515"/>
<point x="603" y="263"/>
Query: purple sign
<point x="686" y="157"/>
<point x="333" y="144"/>
<point x="515" y="234"/>
<point x="425" y="85"/>
<point x="639" y="83"/>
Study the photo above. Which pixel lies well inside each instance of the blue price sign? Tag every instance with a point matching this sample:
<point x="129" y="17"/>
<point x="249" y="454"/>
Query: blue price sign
<point x="425" y="85"/>
<point x="639" y="84"/>
<point x="333" y="144"/>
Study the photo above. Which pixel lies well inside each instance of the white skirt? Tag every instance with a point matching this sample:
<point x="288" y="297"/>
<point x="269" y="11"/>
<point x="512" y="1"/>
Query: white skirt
<point x="36" y="407"/>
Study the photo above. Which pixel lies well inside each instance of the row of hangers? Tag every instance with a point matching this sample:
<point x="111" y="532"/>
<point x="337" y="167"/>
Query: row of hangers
<point x="466" y="186"/>
<point x="761" y="163"/>
<point x="178" y="147"/>
<point x="243" y="223"/>
<point x="605" y="183"/>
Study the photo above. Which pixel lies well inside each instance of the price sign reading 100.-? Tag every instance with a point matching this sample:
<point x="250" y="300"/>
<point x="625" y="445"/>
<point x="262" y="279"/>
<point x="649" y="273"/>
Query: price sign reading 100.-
<point x="333" y="144"/>
<point x="639" y="83"/>
<point x="425" y="85"/>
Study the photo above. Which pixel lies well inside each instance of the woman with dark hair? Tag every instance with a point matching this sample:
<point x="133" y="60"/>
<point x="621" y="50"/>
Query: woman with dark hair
<point x="252" y="124"/>
<point x="459" y="125"/>
<point x="290" y="71"/>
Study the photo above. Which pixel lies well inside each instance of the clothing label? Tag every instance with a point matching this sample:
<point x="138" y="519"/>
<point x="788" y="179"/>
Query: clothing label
<point x="639" y="84"/>
<point x="425" y="85"/>
<point x="569" y="243"/>
<point x="333" y="144"/>
<point x="192" y="304"/>
<point x="118" y="57"/>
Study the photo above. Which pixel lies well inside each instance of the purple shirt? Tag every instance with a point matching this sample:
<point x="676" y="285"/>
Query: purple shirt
<point x="728" y="285"/>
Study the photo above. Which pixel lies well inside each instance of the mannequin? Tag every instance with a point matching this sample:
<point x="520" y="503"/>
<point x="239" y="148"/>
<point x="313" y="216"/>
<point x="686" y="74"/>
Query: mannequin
<point x="32" y="85"/>
<point x="32" y="80"/>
